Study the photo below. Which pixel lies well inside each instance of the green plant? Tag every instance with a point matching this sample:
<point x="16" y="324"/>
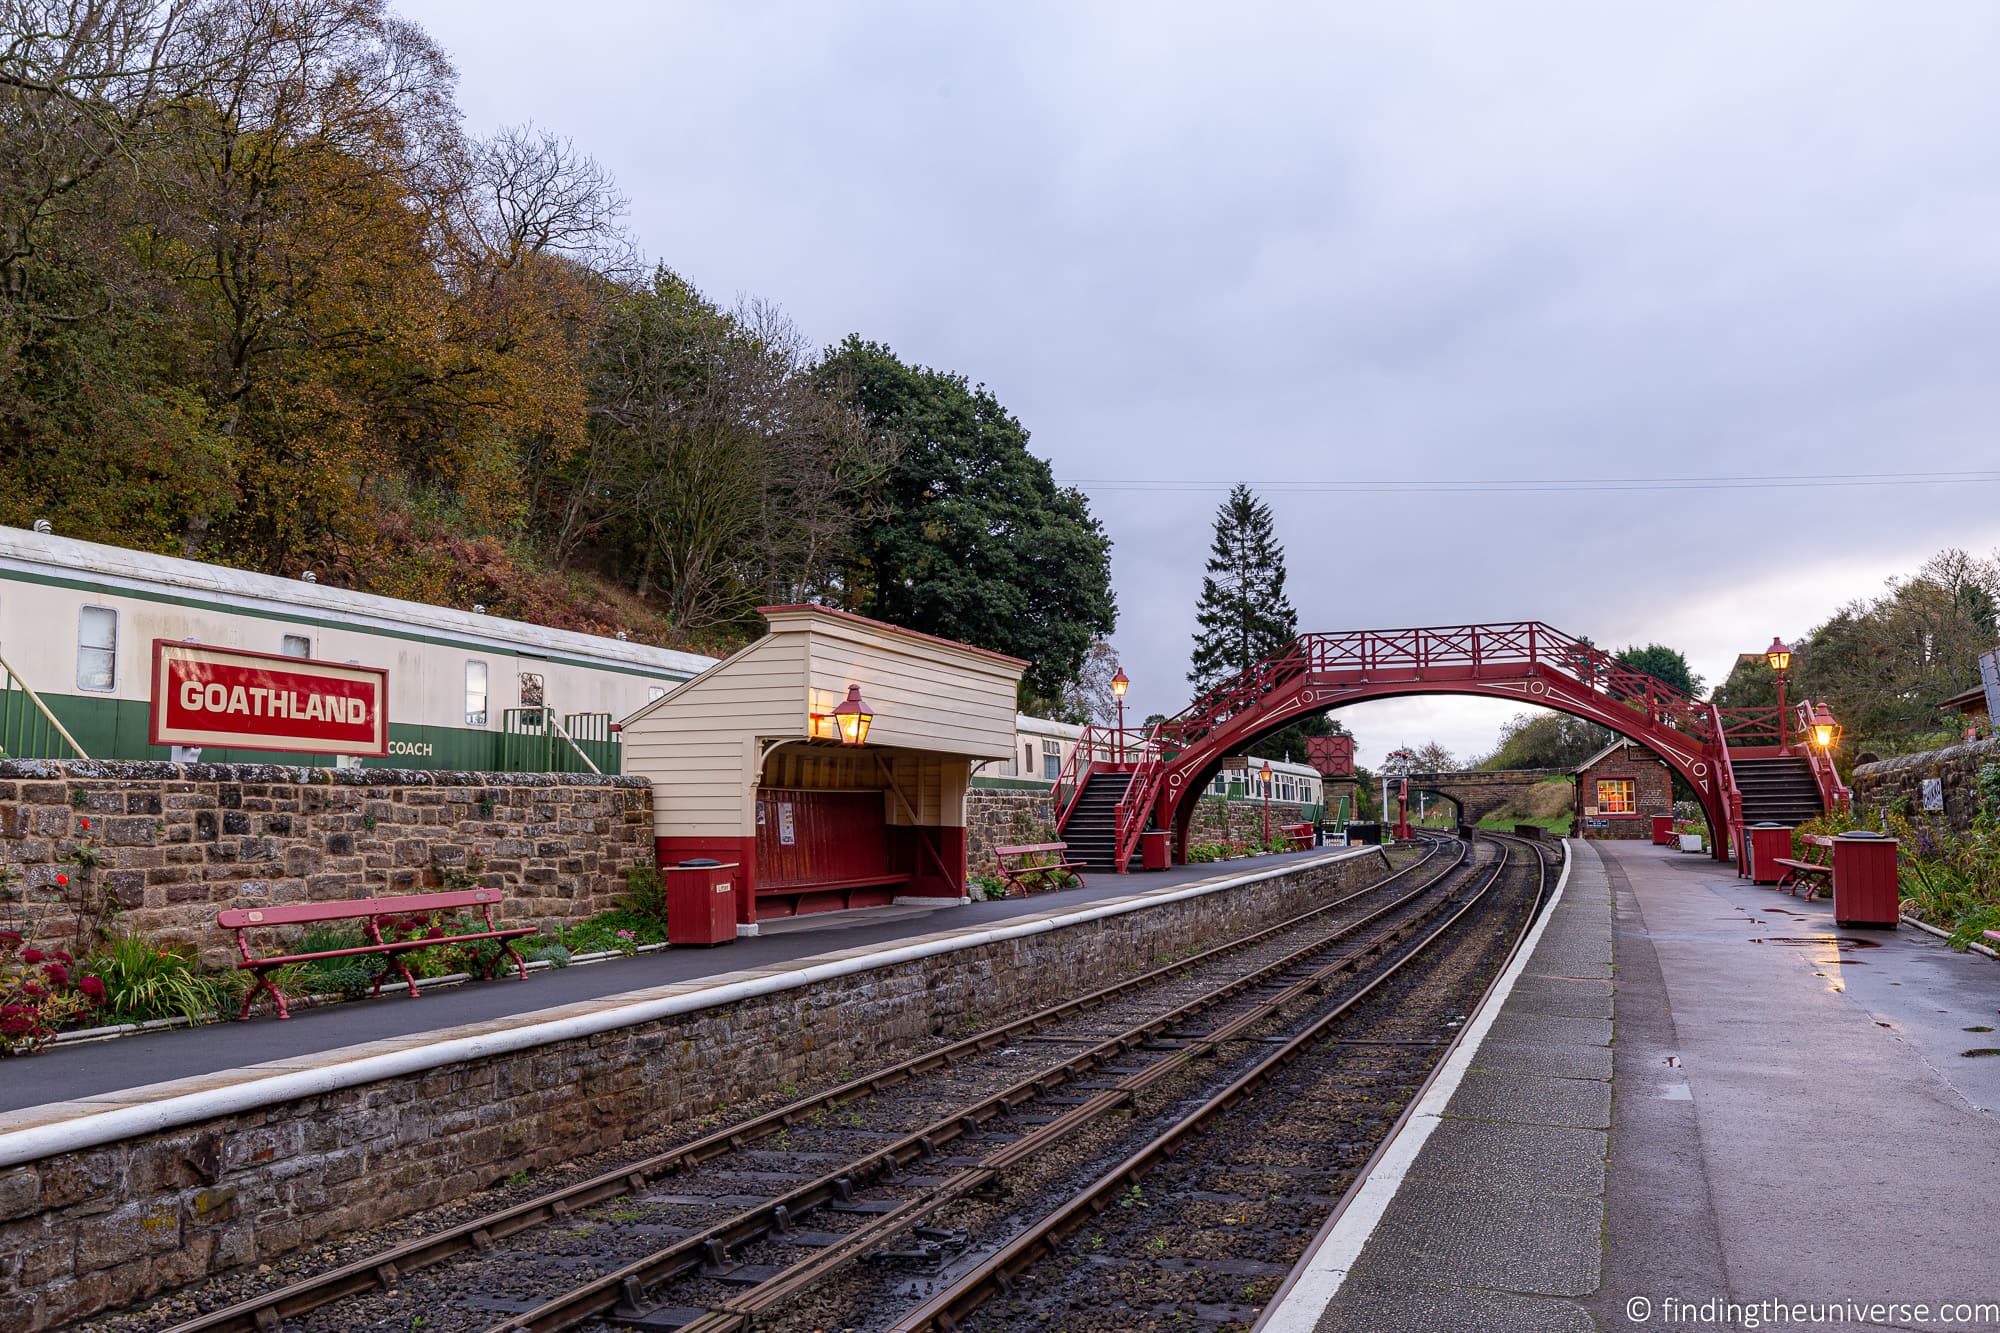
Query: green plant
<point x="546" y="949"/>
<point x="143" y="980"/>
<point x="645" y="892"/>
<point x="600" y="934"/>
<point x="368" y="822"/>
<point x="349" y="978"/>
<point x="39" y="994"/>
<point x="991" y="886"/>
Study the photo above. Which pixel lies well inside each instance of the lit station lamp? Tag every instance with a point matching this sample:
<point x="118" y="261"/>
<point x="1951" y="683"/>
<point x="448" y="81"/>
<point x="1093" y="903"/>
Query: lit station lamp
<point x="1825" y="731"/>
<point x="1780" y="658"/>
<point x="852" y="717"/>
<point x="1119" y="684"/>
<point x="1267" y="803"/>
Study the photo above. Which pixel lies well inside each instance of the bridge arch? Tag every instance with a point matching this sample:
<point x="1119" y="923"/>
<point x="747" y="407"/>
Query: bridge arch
<point x="1524" y="662"/>
<point x="1457" y="805"/>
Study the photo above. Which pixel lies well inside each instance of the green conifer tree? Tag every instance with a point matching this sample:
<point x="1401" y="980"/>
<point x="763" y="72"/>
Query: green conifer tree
<point x="1244" y="613"/>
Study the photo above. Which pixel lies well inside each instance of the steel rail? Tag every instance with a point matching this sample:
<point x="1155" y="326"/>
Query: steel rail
<point x="386" y="1268"/>
<point x="1416" y="1098"/>
<point x="740" y="1312"/>
<point x="710" y="1246"/>
<point x="949" y="1307"/>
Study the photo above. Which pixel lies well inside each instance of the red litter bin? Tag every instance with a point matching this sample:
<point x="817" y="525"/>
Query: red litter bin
<point x="1153" y="852"/>
<point x="1663" y="830"/>
<point x="1768" y="842"/>
<point x="1865" y="892"/>
<point x="701" y="902"/>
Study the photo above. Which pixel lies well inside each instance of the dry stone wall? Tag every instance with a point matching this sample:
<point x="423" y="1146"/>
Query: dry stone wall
<point x="102" y="1227"/>
<point x="174" y="843"/>
<point x="1899" y="782"/>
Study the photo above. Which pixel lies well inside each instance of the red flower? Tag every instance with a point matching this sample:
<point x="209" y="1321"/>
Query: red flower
<point x="17" y="1020"/>
<point x="32" y="956"/>
<point x="9" y="937"/>
<point x="32" y="991"/>
<point x="434" y="933"/>
<point x="86" y="825"/>
<point x="57" y="974"/>
<point x="93" y="988"/>
<point x="62" y="956"/>
<point x="61" y="878"/>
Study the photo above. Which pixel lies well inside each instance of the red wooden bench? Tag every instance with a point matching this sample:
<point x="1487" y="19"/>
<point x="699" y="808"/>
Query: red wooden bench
<point x="1298" y="836"/>
<point x="1812" y="876"/>
<point x="372" y="912"/>
<point x="1024" y="873"/>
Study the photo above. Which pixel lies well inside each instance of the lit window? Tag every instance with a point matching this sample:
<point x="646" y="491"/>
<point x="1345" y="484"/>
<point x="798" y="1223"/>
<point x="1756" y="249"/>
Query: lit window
<point x="296" y="645"/>
<point x="1617" y="796"/>
<point x="96" y="648"/>
<point x="475" y="694"/>
<point x="1051" y="760"/>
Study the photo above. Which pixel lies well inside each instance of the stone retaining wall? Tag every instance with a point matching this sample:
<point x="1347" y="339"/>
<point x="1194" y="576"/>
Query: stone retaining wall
<point x="177" y="842"/>
<point x="102" y="1227"/>
<point x="1886" y="782"/>
<point x="1004" y="815"/>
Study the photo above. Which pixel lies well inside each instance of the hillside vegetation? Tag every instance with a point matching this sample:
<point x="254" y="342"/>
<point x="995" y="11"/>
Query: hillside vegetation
<point x="264" y="300"/>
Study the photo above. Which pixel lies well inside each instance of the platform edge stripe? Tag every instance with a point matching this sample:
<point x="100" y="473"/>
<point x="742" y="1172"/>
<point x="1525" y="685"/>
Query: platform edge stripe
<point x="1320" y="1273"/>
<point x="97" y="1128"/>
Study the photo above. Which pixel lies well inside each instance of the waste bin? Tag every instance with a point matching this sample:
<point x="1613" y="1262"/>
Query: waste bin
<point x="1153" y="849"/>
<point x="701" y="902"/>
<point x="1768" y="842"/>
<point x="1864" y="880"/>
<point x="1369" y="832"/>
<point x="1663" y="830"/>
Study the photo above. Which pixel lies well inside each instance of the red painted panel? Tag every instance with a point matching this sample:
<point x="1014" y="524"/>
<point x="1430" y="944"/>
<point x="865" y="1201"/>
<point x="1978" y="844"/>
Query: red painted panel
<point x="835" y="835"/>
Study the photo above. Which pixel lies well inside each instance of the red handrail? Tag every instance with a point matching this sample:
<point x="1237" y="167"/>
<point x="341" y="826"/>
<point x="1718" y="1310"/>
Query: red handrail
<point x="1833" y="794"/>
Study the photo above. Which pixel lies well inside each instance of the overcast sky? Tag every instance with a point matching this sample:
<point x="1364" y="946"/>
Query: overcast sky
<point x="1216" y="243"/>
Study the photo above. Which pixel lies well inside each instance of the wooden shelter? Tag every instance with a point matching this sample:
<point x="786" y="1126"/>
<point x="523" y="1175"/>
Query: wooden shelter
<point x="748" y="764"/>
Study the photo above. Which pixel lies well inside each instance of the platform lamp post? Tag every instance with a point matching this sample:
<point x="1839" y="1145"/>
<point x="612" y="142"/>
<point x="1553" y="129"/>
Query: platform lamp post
<point x="1780" y="658"/>
<point x="1825" y="731"/>
<point x="1119" y="684"/>
<point x="852" y="717"/>
<point x="1267" y="804"/>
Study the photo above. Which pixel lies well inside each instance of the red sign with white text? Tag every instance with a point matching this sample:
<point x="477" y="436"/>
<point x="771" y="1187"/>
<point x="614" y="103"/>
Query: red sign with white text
<point x="259" y="701"/>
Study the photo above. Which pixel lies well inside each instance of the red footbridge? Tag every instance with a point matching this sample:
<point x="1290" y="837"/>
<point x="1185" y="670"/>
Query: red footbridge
<point x="1744" y="764"/>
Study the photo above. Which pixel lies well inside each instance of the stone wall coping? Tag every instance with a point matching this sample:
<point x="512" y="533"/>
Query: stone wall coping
<point x="38" y="1132"/>
<point x="1925" y="758"/>
<point x="152" y="770"/>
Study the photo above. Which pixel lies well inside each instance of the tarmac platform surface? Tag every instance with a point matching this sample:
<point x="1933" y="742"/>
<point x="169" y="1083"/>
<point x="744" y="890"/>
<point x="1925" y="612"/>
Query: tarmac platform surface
<point x="1697" y="1091"/>
<point x="70" y="1072"/>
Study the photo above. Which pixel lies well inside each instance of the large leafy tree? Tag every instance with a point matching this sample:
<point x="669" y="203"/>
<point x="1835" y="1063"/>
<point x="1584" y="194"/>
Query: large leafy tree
<point x="972" y="538"/>
<point x="1662" y="664"/>
<point x="1244" y="614"/>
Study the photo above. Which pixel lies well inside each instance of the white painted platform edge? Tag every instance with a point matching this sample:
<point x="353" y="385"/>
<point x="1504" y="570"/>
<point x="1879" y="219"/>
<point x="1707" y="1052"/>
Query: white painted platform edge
<point x="336" y="1070"/>
<point x="1929" y="929"/>
<point x="1324" y="1268"/>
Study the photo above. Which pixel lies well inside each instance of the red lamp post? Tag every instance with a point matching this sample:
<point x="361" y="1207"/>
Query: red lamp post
<point x="1780" y="658"/>
<point x="1119" y="684"/>
<point x="1825" y="731"/>
<point x="1267" y="804"/>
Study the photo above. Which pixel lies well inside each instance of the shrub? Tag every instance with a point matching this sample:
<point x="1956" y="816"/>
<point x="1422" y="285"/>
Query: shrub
<point x="40" y="993"/>
<point x="991" y="886"/>
<point x="645" y="892"/>
<point x="144" y="981"/>
<point x="600" y="933"/>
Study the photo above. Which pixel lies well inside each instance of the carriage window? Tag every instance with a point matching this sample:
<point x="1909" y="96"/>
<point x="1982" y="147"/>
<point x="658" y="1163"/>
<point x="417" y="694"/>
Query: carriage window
<point x="296" y="645"/>
<point x="475" y="694"/>
<point x="1615" y="796"/>
<point x="1052" y="760"/>
<point x="655" y="692"/>
<point x="96" y="648"/>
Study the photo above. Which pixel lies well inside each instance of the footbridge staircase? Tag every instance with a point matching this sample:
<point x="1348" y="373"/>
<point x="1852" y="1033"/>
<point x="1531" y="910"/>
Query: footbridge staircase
<point x="1745" y="765"/>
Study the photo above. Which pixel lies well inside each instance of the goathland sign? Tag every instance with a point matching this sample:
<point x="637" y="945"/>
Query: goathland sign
<point x="259" y="701"/>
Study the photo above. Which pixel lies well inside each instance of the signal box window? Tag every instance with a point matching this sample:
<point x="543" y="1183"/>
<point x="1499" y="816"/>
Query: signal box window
<point x="296" y="645"/>
<point x="96" y="648"/>
<point x="1617" y="796"/>
<point x="475" y="694"/>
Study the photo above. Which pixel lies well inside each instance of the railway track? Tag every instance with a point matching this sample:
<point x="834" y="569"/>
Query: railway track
<point x="710" y="1198"/>
<point x="1202" y="1222"/>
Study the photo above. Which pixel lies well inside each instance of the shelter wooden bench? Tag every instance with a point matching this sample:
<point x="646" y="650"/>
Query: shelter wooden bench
<point x="372" y="912"/>
<point x="1812" y="876"/>
<point x="1024" y="874"/>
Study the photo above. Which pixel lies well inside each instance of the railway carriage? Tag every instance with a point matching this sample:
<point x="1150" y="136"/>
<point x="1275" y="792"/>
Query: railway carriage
<point x="465" y="690"/>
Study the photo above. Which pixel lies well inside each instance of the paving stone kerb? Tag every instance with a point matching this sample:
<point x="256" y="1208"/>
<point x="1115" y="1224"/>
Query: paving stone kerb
<point x="178" y="842"/>
<point x="87" y="1230"/>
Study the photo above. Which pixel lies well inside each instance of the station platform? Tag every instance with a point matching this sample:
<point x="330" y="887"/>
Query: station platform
<point x="1701" y="1105"/>
<point x="69" y="1074"/>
